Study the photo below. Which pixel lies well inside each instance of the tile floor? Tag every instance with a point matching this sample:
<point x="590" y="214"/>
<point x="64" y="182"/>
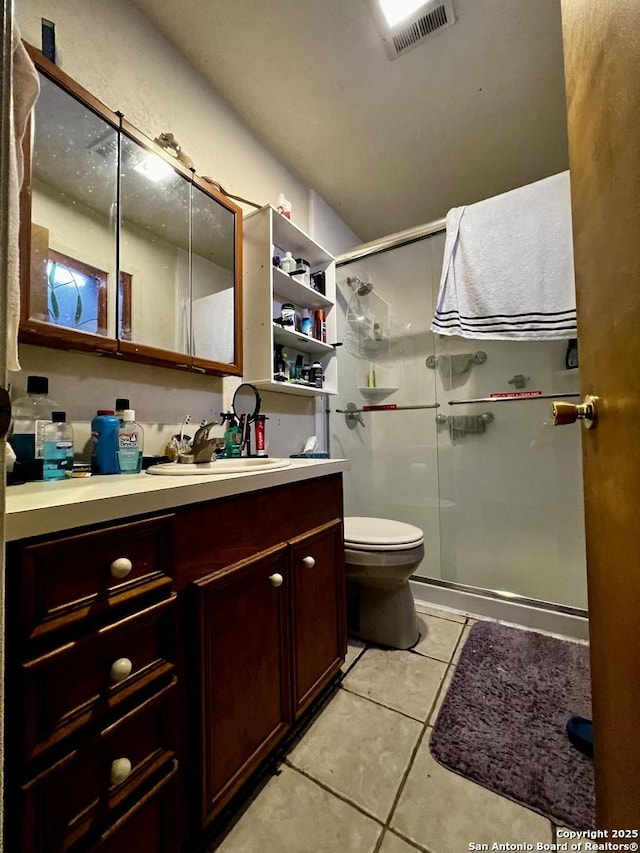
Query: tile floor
<point x="362" y="779"/>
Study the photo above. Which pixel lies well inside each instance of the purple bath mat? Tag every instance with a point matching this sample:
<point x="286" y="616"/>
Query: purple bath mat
<point x="502" y="722"/>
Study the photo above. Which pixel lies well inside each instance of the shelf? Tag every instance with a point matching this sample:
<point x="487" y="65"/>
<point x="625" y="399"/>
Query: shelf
<point x="285" y="289"/>
<point x="378" y="393"/>
<point x="288" y="388"/>
<point x="298" y="341"/>
<point x="290" y="238"/>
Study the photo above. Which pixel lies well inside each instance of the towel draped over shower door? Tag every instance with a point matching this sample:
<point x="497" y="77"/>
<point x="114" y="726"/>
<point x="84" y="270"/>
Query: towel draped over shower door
<point x="508" y="266"/>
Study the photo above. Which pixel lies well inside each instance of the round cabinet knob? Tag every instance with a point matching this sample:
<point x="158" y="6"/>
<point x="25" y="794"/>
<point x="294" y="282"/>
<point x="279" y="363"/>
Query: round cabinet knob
<point x="276" y="579"/>
<point x="309" y="562"/>
<point x="121" y="669"/>
<point x="120" y="567"/>
<point x="120" y="769"/>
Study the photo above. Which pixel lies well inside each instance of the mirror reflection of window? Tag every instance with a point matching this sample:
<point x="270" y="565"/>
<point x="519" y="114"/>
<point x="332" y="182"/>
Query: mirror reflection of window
<point x="76" y="295"/>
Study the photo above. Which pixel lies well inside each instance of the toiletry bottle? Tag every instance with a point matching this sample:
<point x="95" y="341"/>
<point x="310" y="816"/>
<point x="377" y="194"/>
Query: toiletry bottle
<point x="121" y="404"/>
<point x="288" y="263"/>
<point x="261" y="449"/>
<point x="104" y="435"/>
<point x="30" y="416"/>
<point x="283" y="206"/>
<point x="57" y="448"/>
<point x="232" y="436"/>
<point x="306" y="323"/>
<point x="316" y="374"/>
<point x="320" y="325"/>
<point x="130" y="444"/>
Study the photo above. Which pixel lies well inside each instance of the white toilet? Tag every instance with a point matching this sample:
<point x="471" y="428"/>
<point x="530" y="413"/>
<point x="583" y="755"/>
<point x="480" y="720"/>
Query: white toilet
<point x="380" y="556"/>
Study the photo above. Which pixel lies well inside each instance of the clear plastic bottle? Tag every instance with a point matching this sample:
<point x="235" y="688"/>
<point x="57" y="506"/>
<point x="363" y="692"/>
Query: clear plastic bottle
<point x="31" y="413"/>
<point x="130" y="444"/>
<point x="57" y="448"/>
<point x="288" y="263"/>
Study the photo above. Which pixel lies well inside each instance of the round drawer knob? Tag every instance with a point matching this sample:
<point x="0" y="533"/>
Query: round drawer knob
<point x="121" y="567"/>
<point x="276" y="579"/>
<point x="120" y="769"/>
<point x="121" y="669"/>
<point x="309" y="562"/>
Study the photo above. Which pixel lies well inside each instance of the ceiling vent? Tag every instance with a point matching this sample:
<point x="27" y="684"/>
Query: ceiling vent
<point x="429" y="19"/>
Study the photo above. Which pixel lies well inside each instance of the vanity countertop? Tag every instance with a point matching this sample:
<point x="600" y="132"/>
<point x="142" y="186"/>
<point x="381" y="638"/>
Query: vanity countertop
<point x="36" y="508"/>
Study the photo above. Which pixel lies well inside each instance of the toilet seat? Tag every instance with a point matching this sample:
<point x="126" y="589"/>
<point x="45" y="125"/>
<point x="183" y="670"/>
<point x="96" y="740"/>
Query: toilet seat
<point x="380" y="534"/>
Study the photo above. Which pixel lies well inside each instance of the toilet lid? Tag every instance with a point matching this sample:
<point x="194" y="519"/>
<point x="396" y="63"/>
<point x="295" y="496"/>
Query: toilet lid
<point x="377" y="533"/>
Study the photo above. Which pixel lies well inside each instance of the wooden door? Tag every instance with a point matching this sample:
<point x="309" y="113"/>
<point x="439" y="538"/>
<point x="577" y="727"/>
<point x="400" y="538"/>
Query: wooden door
<point x="243" y="672"/>
<point x="602" y="69"/>
<point x="318" y="620"/>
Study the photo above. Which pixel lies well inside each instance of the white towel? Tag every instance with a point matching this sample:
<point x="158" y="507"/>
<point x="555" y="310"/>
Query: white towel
<point x="508" y="267"/>
<point x="26" y="87"/>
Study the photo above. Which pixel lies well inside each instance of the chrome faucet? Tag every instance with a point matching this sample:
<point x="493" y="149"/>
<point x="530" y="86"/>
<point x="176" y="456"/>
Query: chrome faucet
<point x="203" y="448"/>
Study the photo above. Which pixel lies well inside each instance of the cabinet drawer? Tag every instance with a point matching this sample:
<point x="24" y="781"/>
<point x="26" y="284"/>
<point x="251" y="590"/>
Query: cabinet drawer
<point x="83" y="789"/>
<point x="66" y="580"/>
<point x="83" y="680"/>
<point x="149" y="826"/>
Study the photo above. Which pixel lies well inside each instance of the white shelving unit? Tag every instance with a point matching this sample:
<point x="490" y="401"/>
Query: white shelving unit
<point x="266" y="287"/>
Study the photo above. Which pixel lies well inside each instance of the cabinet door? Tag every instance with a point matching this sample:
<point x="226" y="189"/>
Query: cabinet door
<point x="317" y="611"/>
<point x="243" y="671"/>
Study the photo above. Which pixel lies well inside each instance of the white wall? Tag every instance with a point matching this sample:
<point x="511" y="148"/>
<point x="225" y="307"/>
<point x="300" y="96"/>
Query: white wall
<point x="112" y="50"/>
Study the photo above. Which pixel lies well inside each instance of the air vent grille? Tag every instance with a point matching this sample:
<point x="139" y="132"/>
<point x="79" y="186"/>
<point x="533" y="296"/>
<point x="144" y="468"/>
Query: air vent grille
<point x="427" y="21"/>
<point x="416" y="32"/>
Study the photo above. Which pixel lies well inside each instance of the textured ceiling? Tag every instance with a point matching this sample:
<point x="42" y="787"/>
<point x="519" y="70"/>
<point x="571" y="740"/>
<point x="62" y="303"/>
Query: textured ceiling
<point x="476" y="110"/>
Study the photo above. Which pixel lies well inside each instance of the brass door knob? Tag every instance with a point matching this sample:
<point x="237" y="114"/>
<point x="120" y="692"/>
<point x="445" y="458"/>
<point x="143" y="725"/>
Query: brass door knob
<point x="569" y="413"/>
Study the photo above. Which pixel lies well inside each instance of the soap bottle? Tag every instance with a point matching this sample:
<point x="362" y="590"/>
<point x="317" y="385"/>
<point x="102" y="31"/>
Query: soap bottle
<point x="57" y="448"/>
<point x="104" y="435"/>
<point x="30" y="416"/>
<point x="130" y="444"/>
<point x="232" y="436"/>
<point x="283" y="206"/>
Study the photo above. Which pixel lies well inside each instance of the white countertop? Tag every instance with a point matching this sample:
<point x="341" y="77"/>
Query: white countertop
<point x="36" y="508"/>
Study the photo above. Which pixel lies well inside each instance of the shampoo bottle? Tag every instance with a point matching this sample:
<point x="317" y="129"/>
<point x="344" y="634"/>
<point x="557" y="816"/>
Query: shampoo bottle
<point x="130" y="444"/>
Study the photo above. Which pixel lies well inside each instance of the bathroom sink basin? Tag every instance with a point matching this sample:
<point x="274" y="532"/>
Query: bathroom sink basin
<point x="220" y="466"/>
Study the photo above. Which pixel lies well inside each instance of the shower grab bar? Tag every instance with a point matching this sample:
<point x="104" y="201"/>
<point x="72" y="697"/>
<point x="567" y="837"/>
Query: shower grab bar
<point x="513" y="398"/>
<point x="382" y="408"/>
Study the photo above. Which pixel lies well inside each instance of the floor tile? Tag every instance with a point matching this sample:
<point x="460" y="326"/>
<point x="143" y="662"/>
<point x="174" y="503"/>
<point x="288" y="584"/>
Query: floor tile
<point x="401" y="680"/>
<point x="441" y="613"/>
<point x="438" y="637"/>
<point x="445" y="813"/>
<point x="294" y="815"/>
<point x="359" y="750"/>
<point x="391" y="843"/>
<point x="463" y="640"/>
<point x="433" y="716"/>
<point x="354" y="650"/>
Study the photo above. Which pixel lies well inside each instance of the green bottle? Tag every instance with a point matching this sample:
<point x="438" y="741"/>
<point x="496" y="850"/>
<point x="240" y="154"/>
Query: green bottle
<point x="232" y="436"/>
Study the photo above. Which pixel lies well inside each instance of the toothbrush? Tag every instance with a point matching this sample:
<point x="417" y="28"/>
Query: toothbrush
<point x="186" y="421"/>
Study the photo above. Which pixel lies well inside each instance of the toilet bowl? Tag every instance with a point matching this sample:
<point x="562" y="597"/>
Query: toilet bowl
<point x="380" y="556"/>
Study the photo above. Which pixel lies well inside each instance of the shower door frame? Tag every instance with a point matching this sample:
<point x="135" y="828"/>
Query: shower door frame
<point x="578" y="622"/>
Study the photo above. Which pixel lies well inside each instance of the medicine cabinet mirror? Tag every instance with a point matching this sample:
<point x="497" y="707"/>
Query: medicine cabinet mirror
<point x="124" y="251"/>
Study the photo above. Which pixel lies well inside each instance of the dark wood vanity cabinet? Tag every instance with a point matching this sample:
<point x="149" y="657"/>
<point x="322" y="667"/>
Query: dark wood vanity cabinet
<point x="154" y="665"/>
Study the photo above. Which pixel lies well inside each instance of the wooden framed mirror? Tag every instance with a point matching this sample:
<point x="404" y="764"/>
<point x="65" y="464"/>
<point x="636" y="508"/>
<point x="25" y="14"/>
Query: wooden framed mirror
<point x="124" y="251"/>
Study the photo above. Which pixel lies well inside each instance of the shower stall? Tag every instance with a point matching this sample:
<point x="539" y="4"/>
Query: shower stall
<point x="454" y="435"/>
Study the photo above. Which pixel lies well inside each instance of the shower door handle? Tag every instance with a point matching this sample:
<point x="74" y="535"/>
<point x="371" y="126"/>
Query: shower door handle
<point x="569" y="413"/>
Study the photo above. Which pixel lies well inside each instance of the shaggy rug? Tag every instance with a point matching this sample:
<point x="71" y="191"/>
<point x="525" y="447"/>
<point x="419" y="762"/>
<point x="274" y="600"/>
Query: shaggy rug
<point x="502" y="722"/>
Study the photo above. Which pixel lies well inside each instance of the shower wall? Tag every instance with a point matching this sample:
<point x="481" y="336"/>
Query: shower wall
<point x="497" y="490"/>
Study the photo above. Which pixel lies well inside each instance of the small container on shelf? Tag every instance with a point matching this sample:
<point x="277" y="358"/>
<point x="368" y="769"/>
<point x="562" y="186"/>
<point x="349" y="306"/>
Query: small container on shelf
<point x="302" y="272"/>
<point x="287" y="264"/>
<point x="283" y="206"/>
